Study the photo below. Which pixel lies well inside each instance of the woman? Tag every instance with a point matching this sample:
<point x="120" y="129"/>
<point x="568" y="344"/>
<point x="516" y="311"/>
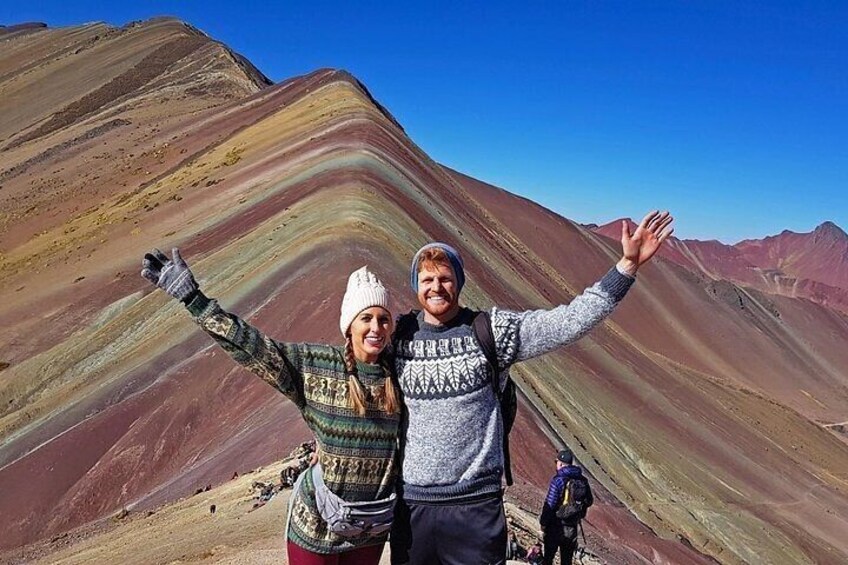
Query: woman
<point x="345" y="394"/>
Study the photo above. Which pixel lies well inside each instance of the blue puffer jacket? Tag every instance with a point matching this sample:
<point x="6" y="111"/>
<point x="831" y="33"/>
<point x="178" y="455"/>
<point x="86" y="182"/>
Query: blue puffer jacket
<point x="556" y="490"/>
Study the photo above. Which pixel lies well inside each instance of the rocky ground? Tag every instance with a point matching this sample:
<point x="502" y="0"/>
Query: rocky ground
<point x="187" y="532"/>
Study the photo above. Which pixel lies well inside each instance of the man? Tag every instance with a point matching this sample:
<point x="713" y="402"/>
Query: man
<point x="569" y="496"/>
<point x="451" y="508"/>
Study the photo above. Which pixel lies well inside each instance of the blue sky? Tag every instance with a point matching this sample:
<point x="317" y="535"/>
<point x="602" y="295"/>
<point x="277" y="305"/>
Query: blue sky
<point x="734" y="115"/>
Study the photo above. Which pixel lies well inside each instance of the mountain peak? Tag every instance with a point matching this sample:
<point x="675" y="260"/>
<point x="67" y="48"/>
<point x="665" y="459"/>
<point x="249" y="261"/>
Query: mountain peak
<point x="26" y="26"/>
<point x="829" y="228"/>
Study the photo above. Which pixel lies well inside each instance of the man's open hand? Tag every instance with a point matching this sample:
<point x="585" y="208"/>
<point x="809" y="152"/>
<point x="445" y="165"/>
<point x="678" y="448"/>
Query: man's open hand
<point x="646" y="239"/>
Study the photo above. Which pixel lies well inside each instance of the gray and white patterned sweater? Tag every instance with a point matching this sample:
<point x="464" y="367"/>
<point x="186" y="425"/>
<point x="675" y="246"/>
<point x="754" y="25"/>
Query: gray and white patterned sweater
<point x="453" y="448"/>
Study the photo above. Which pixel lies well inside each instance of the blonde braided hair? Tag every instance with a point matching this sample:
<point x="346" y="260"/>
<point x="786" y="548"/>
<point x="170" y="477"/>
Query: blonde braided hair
<point x="386" y="397"/>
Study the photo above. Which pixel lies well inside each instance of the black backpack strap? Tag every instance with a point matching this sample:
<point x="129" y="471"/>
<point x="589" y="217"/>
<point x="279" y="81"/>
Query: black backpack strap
<point x="485" y="336"/>
<point x="482" y="328"/>
<point x="590" y="498"/>
<point x="406" y="326"/>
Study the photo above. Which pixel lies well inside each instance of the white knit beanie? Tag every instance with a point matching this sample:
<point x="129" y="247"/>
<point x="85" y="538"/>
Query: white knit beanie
<point x="364" y="290"/>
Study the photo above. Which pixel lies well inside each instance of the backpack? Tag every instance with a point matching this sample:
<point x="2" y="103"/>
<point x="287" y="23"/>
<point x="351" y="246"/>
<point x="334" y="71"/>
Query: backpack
<point x="481" y="327"/>
<point x="577" y="498"/>
<point x="508" y="397"/>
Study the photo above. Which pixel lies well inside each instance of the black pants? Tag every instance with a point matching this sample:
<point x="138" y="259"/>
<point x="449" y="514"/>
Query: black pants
<point x="562" y="538"/>
<point x="471" y="533"/>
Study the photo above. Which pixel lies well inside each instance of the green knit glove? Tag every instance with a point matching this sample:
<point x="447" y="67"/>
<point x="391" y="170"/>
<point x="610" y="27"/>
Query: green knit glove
<point x="174" y="277"/>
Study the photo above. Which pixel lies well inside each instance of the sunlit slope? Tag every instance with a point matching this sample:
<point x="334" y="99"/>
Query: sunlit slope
<point x="692" y="407"/>
<point x="106" y="377"/>
<point x="694" y="413"/>
<point x="311" y="180"/>
<point x="94" y="111"/>
<point x="130" y="399"/>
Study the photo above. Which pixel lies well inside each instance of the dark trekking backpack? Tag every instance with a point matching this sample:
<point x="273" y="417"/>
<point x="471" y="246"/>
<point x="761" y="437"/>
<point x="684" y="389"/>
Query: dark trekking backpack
<point x="577" y="499"/>
<point x="508" y="398"/>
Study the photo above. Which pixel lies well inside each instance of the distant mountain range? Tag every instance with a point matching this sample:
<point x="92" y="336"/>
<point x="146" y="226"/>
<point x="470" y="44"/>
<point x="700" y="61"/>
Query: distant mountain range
<point x="710" y="409"/>
<point x="804" y="265"/>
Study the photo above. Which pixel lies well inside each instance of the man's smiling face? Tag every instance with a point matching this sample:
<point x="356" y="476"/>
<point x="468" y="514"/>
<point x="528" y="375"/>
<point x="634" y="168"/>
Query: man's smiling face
<point x="437" y="292"/>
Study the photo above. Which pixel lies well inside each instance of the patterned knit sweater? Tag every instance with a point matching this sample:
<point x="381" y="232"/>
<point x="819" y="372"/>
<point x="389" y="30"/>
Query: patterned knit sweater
<point x="453" y="446"/>
<point x="357" y="453"/>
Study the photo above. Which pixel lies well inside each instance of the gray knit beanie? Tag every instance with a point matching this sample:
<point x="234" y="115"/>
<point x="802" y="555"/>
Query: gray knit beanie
<point x="364" y="290"/>
<point x="453" y="256"/>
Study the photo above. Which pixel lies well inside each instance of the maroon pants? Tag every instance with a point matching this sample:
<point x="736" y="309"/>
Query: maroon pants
<point x="363" y="556"/>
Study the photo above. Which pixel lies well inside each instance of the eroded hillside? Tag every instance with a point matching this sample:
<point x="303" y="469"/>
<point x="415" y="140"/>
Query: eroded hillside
<point x="698" y="406"/>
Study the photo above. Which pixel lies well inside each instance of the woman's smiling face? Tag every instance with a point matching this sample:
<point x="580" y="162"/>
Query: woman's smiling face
<point x="370" y="332"/>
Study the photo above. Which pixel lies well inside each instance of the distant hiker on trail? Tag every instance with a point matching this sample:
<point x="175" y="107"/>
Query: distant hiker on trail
<point x="569" y="496"/>
<point x="348" y="400"/>
<point x="452" y="366"/>
<point x="514" y="549"/>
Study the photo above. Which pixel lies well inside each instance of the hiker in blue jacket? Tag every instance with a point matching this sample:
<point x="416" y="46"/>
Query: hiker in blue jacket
<point x="450" y="509"/>
<point x="569" y="496"/>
